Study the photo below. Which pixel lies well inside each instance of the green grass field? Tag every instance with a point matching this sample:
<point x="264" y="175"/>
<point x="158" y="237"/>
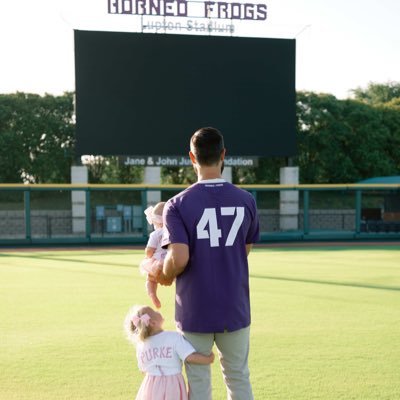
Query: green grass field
<point x="326" y="324"/>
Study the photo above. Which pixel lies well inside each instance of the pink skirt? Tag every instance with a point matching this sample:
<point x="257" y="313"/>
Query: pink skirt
<point x="166" y="387"/>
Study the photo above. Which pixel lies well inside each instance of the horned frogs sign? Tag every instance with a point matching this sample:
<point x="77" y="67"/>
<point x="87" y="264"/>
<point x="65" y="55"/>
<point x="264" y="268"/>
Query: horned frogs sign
<point x="183" y="8"/>
<point x="192" y="14"/>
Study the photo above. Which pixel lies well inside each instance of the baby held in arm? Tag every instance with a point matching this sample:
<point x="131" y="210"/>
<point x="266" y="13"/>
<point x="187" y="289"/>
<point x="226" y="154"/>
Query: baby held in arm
<point x="152" y="265"/>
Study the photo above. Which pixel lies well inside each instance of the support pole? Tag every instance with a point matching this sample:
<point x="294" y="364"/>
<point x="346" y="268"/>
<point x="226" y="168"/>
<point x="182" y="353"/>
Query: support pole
<point x="152" y="176"/>
<point x="227" y="174"/>
<point x="289" y="200"/>
<point x="79" y="174"/>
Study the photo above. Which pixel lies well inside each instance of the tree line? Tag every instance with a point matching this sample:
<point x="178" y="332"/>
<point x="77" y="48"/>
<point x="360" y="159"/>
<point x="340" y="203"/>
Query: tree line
<point x="339" y="141"/>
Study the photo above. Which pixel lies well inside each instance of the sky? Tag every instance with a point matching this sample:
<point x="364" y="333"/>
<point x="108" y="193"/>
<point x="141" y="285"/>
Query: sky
<point x="340" y="44"/>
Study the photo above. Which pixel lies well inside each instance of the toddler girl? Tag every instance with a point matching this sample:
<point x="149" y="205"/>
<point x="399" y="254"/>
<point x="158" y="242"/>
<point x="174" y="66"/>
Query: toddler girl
<point x="155" y="254"/>
<point x="160" y="355"/>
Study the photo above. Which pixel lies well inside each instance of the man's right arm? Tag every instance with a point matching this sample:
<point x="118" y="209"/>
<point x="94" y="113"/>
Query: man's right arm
<point x="174" y="263"/>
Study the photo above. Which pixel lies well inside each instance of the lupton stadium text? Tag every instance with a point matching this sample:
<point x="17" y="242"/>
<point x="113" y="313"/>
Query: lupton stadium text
<point x="183" y="8"/>
<point x="191" y="25"/>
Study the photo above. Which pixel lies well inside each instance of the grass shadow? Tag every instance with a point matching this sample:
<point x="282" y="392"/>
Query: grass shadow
<point x="318" y="282"/>
<point x="80" y="261"/>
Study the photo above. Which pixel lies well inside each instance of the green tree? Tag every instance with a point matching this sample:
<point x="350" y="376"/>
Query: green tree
<point x="391" y="120"/>
<point x="109" y="170"/>
<point x="378" y="93"/>
<point x="322" y="138"/>
<point x="344" y="141"/>
<point x="37" y="135"/>
<point x="267" y="172"/>
<point x="178" y="175"/>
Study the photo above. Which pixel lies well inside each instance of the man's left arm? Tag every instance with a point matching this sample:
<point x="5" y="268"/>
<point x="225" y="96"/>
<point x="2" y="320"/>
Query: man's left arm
<point x="249" y="246"/>
<point x="253" y="235"/>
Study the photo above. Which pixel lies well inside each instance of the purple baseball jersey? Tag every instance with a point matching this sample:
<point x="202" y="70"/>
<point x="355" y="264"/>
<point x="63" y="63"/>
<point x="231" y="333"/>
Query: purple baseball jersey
<point x="216" y="220"/>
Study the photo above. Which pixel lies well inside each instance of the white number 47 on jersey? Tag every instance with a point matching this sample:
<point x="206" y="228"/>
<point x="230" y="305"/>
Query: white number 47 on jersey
<point x="213" y="233"/>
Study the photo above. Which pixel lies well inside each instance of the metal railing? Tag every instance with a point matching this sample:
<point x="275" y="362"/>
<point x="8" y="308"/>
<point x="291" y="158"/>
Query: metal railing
<point x="85" y="214"/>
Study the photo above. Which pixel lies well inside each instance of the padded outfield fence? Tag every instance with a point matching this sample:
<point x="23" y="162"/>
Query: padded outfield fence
<point x="94" y="214"/>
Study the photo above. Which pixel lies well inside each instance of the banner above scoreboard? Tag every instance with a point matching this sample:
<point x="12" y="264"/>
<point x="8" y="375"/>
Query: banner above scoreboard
<point x="188" y="8"/>
<point x="178" y="16"/>
<point x="241" y="18"/>
<point x="188" y="15"/>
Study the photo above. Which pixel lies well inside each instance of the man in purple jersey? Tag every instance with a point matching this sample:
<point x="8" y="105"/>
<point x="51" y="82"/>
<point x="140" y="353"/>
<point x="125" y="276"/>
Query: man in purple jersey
<point x="209" y="230"/>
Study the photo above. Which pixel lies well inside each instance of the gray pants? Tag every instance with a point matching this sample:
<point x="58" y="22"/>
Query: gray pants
<point x="233" y="351"/>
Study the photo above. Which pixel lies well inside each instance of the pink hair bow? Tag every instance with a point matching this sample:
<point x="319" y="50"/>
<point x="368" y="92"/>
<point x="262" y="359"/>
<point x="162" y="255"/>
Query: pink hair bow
<point x="149" y="212"/>
<point x="151" y="217"/>
<point x="144" y="319"/>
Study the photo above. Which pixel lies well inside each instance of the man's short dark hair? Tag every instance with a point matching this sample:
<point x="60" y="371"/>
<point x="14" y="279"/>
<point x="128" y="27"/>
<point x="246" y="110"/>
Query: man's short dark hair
<point x="207" y="144"/>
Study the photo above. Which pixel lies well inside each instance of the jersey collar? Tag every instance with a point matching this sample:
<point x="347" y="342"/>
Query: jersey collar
<point x="216" y="180"/>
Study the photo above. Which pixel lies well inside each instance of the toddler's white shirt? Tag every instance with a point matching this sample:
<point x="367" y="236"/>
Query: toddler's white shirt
<point x="162" y="354"/>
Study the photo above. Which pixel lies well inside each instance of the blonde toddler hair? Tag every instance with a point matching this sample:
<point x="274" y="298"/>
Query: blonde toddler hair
<point x="140" y="331"/>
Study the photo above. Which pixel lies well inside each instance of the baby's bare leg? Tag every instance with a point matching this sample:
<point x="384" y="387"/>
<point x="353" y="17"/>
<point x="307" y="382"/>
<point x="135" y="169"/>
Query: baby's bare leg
<point x="151" y="288"/>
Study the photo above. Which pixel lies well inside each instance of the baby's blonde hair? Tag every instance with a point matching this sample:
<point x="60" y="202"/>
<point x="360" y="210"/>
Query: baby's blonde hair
<point x="139" y="331"/>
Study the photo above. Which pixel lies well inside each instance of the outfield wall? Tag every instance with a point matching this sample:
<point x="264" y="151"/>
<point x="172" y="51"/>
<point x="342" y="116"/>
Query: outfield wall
<point x="43" y="214"/>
